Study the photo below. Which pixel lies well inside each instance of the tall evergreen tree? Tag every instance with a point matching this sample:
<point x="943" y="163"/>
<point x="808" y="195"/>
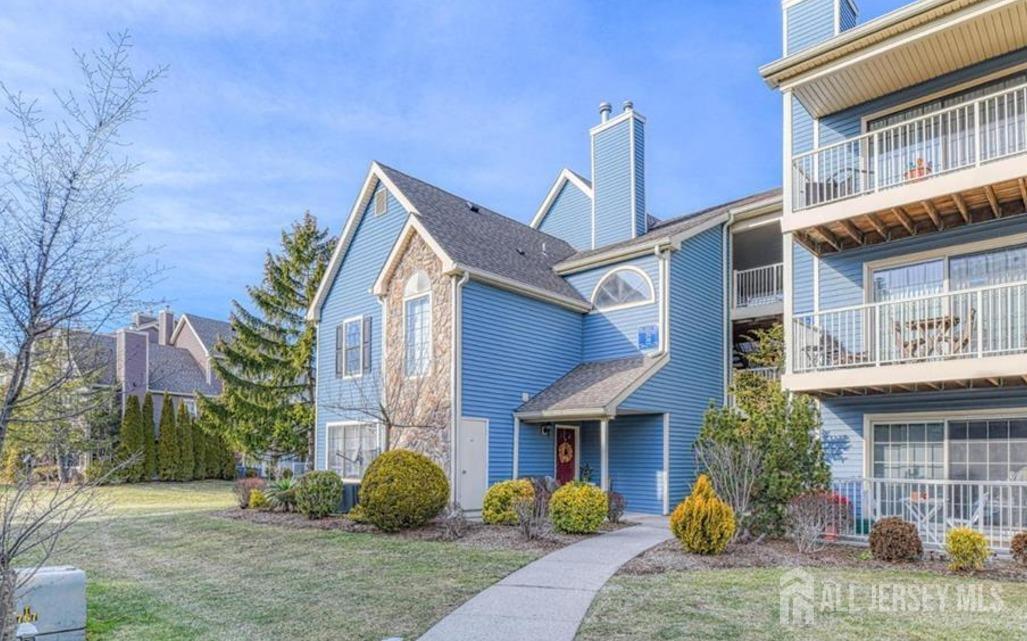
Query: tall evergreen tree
<point x="199" y="450"/>
<point x="131" y="440"/>
<point x="167" y="443"/>
<point x="184" y="428"/>
<point x="149" y="438"/>
<point x="266" y="407"/>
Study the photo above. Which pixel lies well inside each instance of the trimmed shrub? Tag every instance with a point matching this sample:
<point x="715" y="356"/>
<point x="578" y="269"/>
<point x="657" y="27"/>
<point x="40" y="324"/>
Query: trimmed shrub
<point x="498" y="508"/>
<point x="258" y="501"/>
<point x="102" y="472"/>
<point x="184" y="429"/>
<point x="967" y="549"/>
<point x="1018" y="548"/>
<point x="281" y="494"/>
<point x="892" y="539"/>
<point x="319" y="494"/>
<point x="403" y="489"/>
<point x="132" y="446"/>
<point x="168" y="455"/>
<point x="356" y="514"/>
<point x="578" y="508"/>
<point x="243" y="488"/>
<point x="702" y="522"/>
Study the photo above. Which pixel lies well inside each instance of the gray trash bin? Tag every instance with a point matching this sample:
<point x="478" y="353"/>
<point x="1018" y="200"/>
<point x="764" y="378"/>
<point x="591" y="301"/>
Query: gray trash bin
<point x="52" y="605"/>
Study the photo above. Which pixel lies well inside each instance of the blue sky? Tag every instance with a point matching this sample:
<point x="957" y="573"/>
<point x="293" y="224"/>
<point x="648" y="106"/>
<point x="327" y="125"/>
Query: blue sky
<point x="270" y="111"/>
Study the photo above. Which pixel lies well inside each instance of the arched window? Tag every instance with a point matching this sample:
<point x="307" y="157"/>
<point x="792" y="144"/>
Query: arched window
<point x="623" y="287"/>
<point x="417" y="324"/>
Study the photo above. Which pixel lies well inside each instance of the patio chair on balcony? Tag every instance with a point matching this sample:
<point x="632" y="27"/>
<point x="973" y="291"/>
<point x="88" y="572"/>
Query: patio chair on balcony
<point x="975" y="518"/>
<point x="964" y="339"/>
<point x="828" y="351"/>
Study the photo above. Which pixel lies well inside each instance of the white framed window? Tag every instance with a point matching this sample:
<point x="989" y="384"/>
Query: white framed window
<point x="381" y="202"/>
<point x="417" y="324"/>
<point x="350" y="348"/>
<point x="623" y="287"/>
<point x="190" y="407"/>
<point x="352" y="446"/>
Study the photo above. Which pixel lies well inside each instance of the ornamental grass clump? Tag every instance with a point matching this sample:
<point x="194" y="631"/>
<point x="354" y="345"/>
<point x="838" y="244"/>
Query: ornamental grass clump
<point x="967" y="549"/>
<point x="892" y="539"/>
<point x="403" y="489"/>
<point x="578" y="508"/>
<point x="498" y="507"/>
<point x="702" y="522"/>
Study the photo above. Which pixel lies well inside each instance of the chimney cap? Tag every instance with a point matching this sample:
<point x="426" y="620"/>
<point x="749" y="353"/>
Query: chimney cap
<point x="604" y="111"/>
<point x="629" y="106"/>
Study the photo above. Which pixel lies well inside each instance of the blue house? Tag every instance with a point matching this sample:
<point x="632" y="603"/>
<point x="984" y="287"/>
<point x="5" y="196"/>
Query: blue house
<point x="588" y="343"/>
<point x="905" y="255"/>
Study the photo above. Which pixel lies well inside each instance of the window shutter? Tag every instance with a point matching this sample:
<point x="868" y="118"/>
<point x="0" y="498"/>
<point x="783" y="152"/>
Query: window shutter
<point x="367" y="343"/>
<point x="340" y="344"/>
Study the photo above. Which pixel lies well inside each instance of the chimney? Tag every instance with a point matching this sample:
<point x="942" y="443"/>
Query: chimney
<point x="807" y="23"/>
<point x="165" y="325"/>
<point x="131" y="354"/>
<point x="618" y="176"/>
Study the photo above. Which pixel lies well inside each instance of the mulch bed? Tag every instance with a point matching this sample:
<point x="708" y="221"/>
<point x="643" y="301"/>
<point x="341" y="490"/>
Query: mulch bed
<point x="782" y="553"/>
<point x="478" y="535"/>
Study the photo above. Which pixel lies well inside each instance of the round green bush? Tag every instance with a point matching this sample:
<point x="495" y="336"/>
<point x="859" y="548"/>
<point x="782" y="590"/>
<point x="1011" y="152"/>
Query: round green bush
<point x="578" y="508"/>
<point x="319" y="494"/>
<point x="403" y="489"/>
<point x="498" y="508"/>
<point x="967" y="549"/>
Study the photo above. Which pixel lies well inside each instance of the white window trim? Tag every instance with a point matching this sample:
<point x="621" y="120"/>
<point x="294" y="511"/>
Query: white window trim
<point x="943" y="416"/>
<point x="577" y="449"/>
<point x="359" y="320"/>
<point x="431" y="323"/>
<point x="329" y="426"/>
<point x="945" y="253"/>
<point x="609" y="274"/>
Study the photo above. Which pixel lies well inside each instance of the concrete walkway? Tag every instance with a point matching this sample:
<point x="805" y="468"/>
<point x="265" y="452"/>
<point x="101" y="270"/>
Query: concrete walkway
<point x="547" y="599"/>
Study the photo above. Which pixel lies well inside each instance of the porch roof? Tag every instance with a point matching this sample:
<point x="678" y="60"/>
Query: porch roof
<point x="591" y="390"/>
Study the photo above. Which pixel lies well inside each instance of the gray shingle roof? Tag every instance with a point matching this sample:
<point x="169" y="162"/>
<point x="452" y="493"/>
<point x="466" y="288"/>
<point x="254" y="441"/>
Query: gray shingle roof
<point x="209" y="329"/>
<point x="589" y="386"/>
<point x="678" y="224"/>
<point x="172" y="369"/>
<point x="485" y="240"/>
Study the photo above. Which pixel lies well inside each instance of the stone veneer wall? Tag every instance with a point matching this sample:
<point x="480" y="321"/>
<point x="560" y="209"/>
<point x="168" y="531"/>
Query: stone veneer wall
<point x="421" y="405"/>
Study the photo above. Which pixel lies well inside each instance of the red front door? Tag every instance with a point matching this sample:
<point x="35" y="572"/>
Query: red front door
<point x="566" y="454"/>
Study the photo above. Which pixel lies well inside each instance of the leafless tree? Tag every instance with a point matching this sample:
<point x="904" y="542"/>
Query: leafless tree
<point x="67" y="262"/>
<point x="734" y="469"/>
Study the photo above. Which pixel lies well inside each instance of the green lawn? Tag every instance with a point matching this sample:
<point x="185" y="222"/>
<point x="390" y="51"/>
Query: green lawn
<point x="743" y="604"/>
<point x="161" y="567"/>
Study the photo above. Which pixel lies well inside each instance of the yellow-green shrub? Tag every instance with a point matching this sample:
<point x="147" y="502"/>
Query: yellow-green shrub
<point x="967" y="549"/>
<point x="578" y="508"/>
<point x="702" y="522"/>
<point x="403" y="489"/>
<point x="258" y="500"/>
<point x="498" y="508"/>
<point x="318" y="494"/>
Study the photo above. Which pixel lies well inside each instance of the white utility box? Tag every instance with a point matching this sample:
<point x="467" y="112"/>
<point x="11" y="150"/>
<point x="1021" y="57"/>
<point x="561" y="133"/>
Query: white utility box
<point x="52" y="605"/>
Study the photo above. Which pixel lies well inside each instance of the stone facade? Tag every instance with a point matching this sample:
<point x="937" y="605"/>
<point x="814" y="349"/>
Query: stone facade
<point x="419" y="406"/>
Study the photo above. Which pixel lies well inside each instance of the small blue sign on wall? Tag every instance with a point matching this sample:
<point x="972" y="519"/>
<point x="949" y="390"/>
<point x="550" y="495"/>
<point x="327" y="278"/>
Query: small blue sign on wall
<point x="648" y="337"/>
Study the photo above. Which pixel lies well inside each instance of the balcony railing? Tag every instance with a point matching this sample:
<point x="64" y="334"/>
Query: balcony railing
<point x="996" y="509"/>
<point x="967" y="135"/>
<point x="759" y="286"/>
<point x="970" y="323"/>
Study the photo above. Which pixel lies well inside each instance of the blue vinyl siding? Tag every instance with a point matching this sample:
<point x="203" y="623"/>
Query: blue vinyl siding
<point x="590" y="451"/>
<point x="694" y="377"/>
<point x="848" y="14"/>
<point x="641" y="226"/>
<point x="614" y="333"/>
<point x="843" y="418"/>
<point x="848" y="123"/>
<point x="636" y="461"/>
<point x="570" y="217"/>
<point x="809" y="23"/>
<point x="802" y="279"/>
<point x="841" y="273"/>
<point x="350" y="296"/>
<point x="802" y="129"/>
<point x="611" y="183"/>
<point x="537" y="452"/>
<point x="511" y="345"/>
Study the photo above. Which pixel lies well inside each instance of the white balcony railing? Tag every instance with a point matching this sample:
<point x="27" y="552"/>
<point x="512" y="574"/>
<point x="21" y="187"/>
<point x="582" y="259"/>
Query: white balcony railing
<point x="967" y="135"/>
<point x="996" y="509"/>
<point x="970" y="323"/>
<point x="762" y="285"/>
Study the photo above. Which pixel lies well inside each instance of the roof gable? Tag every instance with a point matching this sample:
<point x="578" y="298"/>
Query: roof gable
<point x="565" y="177"/>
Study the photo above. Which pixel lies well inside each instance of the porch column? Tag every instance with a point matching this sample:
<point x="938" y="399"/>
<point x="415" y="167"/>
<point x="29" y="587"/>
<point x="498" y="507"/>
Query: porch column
<point x="604" y="454"/>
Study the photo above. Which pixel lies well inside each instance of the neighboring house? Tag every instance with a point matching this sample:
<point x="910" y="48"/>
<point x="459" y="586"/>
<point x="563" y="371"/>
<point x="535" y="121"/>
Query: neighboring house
<point x="906" y="253"/>
<point x="590" y="341"/>
<point x="159" y="355"/>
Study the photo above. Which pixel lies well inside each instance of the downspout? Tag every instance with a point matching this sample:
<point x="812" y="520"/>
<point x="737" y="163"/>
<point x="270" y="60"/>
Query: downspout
<point x="454" y="377"/>
<point x="726" y="250"/>
<point x="384" y="330"/>
<point x="662" y="253"/>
